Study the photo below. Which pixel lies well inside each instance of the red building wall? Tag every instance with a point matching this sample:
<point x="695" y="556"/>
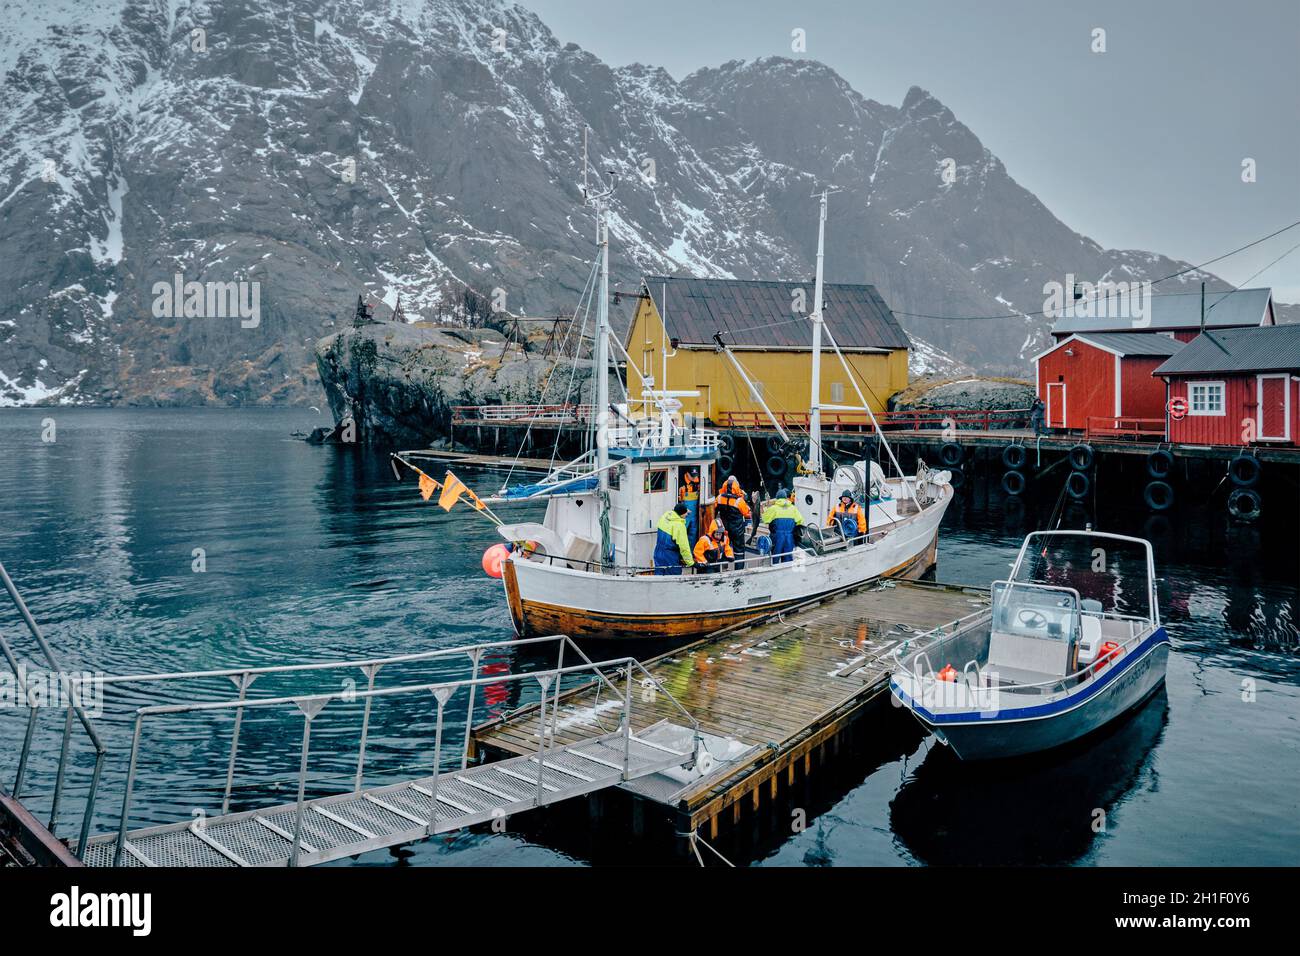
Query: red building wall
<point x="1240" y="402"/>
<point x="1143" y="395"/>
<point x="1089" y="376"/>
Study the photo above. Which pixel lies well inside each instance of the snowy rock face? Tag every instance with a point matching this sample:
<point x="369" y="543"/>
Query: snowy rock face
<point x="192" y="193"/>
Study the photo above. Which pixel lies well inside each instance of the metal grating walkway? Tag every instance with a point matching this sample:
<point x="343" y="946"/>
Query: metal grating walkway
<point x="352" y="823"/>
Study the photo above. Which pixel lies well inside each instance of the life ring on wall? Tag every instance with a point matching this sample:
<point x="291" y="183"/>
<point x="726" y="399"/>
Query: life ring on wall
<point x="951" y="454"/>
<point x="1159" y="495"/>
<point x="1013" y="483"/>
<point x="1244" y="504"/>
<point x="1078" y="485"/>
<point x="1013" y="456"/>
<point x="1081" y="457"/>
<point x="1244" y="470"/>
<point x="1159" y="463"/>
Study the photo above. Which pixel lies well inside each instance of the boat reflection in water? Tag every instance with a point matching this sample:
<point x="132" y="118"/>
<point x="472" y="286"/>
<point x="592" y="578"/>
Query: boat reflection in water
<point x="1050" y="808"/>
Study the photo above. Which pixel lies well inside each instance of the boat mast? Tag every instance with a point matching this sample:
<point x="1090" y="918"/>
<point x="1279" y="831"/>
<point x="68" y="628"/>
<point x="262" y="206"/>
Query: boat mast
<point x="815" y="407"/>
<point x="602" y="345"/>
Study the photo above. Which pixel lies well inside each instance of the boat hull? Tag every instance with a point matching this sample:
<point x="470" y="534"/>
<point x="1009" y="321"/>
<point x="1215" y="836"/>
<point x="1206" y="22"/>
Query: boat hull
<point x="547" y="599"/>
<point x="1012" y="732"/>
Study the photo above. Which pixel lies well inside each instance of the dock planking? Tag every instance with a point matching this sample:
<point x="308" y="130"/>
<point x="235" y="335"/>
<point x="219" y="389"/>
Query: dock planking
<point x="780" y="689"/>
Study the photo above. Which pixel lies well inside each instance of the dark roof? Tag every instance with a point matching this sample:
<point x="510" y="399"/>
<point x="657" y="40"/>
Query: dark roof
<point x="1234" y="308"/>
<point x="1268" y="349"/>
<point x="758" y="314"/>
<point x="1134" y="343"/>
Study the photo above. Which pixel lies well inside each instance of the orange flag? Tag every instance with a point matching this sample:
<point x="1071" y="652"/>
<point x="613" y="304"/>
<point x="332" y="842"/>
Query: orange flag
<point x="452" y="488"/>
<point x="427" y="486"/>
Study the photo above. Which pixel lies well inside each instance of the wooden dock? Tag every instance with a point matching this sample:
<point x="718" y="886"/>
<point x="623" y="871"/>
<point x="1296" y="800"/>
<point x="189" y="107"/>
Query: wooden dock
<point x="772" y="698"/>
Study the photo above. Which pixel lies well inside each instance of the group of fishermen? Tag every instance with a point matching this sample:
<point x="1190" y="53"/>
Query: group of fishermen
<point x="733" y="522"/>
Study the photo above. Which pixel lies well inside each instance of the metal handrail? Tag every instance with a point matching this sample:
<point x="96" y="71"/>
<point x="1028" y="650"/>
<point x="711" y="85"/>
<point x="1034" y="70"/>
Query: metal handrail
<point x="70" y="689"/>
<point x="310" y="705"/>
<point x="1135" y="637"/>
<point x="243" y="678"/>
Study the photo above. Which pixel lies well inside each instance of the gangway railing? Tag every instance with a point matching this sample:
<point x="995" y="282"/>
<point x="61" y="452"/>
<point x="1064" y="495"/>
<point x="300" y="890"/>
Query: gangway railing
<point x="638" y="754"/>
<point x="70" y="690"/>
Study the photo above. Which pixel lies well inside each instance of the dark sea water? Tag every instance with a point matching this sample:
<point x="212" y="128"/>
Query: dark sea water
<point x="315" y="553"/>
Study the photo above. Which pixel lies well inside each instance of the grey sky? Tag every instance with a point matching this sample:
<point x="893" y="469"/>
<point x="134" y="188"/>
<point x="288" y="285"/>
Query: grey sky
<point x="1139" y="147"/>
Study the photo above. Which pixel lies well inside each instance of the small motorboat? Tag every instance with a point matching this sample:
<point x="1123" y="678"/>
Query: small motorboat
<point x="1071" y="641"/>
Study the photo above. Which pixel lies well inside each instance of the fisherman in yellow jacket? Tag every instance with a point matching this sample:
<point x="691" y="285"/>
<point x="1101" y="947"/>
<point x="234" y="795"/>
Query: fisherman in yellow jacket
<point x="783" y="521"/>
<point x="672" y="546"/>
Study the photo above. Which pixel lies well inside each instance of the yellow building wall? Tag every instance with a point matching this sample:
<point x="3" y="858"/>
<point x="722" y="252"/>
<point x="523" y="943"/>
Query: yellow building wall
<point x="786" y="376"/>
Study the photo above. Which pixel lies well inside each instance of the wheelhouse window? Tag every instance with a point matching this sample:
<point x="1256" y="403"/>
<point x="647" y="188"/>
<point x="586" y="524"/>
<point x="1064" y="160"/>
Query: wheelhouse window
<point x="1205" y="398"/>
<point x="656" y="480"/>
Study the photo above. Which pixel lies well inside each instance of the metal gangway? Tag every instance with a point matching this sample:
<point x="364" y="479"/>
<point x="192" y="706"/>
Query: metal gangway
<point x="317" y="829"/>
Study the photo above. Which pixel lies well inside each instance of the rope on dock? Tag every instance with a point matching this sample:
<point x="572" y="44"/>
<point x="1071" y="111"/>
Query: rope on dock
<point x="695" y="838"/>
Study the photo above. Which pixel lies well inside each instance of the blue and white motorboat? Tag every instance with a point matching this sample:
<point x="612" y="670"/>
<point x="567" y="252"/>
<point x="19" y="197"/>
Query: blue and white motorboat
<point x="1071" y="641"/>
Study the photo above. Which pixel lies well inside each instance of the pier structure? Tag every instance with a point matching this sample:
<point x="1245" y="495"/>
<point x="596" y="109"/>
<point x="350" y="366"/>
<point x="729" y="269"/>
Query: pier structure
<point x="998" y="444"/>
<point x="352" y="815"/>
<point x="776" y="700"/>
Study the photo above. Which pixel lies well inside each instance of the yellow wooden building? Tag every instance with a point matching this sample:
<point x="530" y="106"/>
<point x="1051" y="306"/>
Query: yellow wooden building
<point x="766" y="326"/>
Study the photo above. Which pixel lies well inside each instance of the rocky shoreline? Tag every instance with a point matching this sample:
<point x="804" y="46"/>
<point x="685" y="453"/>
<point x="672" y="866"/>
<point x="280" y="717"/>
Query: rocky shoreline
<point x="397" y="384"/>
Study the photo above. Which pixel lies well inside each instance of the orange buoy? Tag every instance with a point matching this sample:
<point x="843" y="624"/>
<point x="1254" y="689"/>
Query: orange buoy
<point x="1109" y="651"/>
<point x="949" y="673"/>
<point x="493" y="560"/>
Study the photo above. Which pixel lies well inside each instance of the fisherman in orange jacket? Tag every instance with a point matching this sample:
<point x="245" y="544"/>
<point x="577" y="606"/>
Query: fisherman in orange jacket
<point x="848" y="516"/>
<point x="713" y="550"/>
<point x="688" y="492"/>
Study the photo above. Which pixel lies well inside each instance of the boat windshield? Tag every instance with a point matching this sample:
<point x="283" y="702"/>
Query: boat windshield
<point x="1035" y="610"/>
<point x="1112" y="574"/>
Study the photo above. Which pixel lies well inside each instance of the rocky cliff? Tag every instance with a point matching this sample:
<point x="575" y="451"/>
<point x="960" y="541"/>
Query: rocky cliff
<point x="398" y="383"/>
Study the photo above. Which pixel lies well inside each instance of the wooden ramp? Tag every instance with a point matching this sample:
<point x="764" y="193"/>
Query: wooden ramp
<point x="765" y="695"/>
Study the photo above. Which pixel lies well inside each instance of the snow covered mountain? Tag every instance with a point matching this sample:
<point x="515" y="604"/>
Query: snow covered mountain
<point x="289" y="153"/>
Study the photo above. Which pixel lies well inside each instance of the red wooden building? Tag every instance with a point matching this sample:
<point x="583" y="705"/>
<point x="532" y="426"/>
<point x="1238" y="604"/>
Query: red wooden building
<point x="1240" y="386"/>
<point x="1102" y="382"/>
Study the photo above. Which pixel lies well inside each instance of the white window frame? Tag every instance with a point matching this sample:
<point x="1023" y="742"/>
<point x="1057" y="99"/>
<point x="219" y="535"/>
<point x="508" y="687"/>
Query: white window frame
<point x="837" y="393"/>
<point x="1223" y="399"/>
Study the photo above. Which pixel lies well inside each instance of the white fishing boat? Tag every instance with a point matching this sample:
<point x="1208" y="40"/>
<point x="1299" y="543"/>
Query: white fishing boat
<point x="586" y="569"/>
<point x="1072" y="641"/>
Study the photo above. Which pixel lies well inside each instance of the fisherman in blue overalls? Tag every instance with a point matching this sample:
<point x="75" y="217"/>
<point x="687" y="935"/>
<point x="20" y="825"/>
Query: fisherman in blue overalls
<point x="782" y="519"/>
<point x="672" y="546"/>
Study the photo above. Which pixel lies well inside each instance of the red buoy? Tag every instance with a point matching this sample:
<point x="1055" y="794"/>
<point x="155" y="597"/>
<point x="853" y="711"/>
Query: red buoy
<point x="493" y="559"/>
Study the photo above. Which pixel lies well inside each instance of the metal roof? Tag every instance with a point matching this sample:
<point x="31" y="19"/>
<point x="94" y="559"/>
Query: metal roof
<point x="760" y="314"/>
<point x="1133" y="343"/>
<point x="1272" y="348"/>
<point x="1233" y="308"/>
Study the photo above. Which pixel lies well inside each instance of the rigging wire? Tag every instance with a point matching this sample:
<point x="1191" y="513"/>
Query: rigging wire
<point x="546" y="384"/>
